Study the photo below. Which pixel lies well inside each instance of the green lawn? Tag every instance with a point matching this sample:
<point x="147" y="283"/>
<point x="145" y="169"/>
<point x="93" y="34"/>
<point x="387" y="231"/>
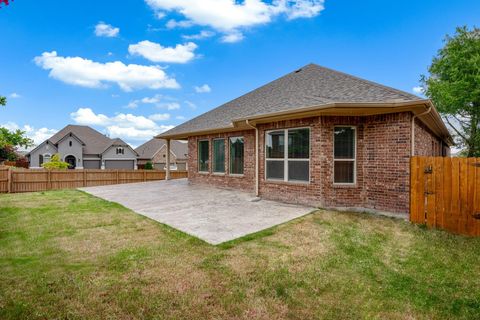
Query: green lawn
<point x="65" y="254"/>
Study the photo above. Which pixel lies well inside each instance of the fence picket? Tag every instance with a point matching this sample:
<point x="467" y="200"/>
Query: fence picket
<point x="448" y="197"/>
<point x="31" y="180"/>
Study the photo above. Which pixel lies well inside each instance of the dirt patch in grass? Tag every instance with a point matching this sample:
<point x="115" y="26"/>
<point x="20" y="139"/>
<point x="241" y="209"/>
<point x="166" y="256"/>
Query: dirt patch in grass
<point x="65" y="254"/>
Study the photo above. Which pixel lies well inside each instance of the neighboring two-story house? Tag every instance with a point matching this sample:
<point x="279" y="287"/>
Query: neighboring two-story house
<point x="84" y="148"/>
<point x="155" y="151"/>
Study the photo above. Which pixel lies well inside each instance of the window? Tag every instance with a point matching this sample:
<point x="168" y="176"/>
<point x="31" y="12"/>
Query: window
<point x="120" y="150"/>
<point x="344" y="158"/>
<point x="219" y="155"/>
<point x="236" y="155"/>
<point x="40" y="159"/>
<point x="70" y="143"/>
<point x="203" y="157"/>
<point x="288" y="161"/>
<point x="46" y="158"/>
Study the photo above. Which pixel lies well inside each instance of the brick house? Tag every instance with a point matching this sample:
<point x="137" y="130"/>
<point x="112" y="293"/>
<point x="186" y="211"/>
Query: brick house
<point x="155" y="151"/>
<point x="316" y="136"/>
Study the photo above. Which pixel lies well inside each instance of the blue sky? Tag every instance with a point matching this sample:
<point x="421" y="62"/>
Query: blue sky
<point x="136" y="69"/>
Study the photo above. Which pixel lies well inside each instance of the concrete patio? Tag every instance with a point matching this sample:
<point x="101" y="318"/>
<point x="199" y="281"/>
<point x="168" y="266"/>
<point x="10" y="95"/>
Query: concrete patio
<point x="211" y="214"/>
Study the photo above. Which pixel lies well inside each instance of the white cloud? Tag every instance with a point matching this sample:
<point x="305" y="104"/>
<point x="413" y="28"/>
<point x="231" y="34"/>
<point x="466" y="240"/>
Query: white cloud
<point x="146" y="100"/>
<point x="86" y="116"/>
<point x="106" y="30"/>
<point x="37" y="135"/>
<point x="233" y="37"/>
<point x="169" y="105"/>
<point x="203" y="88"/>
<point x="181" y="53"/>
<point x="417" y="90"/>
<point x="190" y="104"/>
<point x="136" y="134"/>
<point x="121" y="125"/>
<point x="160" y="15"/>
<point x="180" y="118"/>
<point x="14" y="95"/>
<point x="229" y="15"/>
<point x="159" y="117"/>
<point x="202" y="35"/>
<point x="179" y="24"/>
<point x="87" y="73"/>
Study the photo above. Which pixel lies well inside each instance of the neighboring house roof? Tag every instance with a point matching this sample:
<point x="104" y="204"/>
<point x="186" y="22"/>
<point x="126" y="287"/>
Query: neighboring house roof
<point x="93" y="141"/>
<point x="150" y="148"/>
<point x="308" y="87"/>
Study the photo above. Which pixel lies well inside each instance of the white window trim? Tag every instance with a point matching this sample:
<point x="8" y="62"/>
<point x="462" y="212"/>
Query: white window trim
<point x="198" y="155"/>
<point x="230" y="158"/>
<point x="224" y="157"/>
<point x="354" y="160"/>
<point x="285" y="158"/>
<point x="49" y="157"/>
<point x="122" y="149"/>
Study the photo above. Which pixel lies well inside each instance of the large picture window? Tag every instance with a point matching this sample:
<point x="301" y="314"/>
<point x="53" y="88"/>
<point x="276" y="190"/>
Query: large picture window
<point x="288" y="155"/>
<point x="236" y="155"/>
<point x="203" y="156"/>
<point x="344" y="156"/>
<point x="219" y="155"/>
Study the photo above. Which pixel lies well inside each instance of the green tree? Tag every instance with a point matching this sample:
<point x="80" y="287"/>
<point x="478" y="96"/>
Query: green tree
<point x="14" y="138"/>
<point x="454" y="86"/>
<point x="3" y="101"/>
<point x="10" y="141"/>
<point x="55" y="163"/>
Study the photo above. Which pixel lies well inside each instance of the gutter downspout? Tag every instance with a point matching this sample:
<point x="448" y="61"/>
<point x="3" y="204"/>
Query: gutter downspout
<point x="413" y="128"/>
<point x="256" y="157"/>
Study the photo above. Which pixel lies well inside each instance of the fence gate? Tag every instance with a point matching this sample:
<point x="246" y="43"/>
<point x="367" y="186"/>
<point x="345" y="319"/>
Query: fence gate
<point x="445" y="193"/>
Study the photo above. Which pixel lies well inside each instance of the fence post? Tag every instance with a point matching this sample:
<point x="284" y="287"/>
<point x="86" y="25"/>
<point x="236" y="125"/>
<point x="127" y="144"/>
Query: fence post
<point x="49" y="180"/>
<point x="117" y="177"/>
<point x="144" y="176"/>
<point x="9" y="180"/>
<point x="84" y="178"/>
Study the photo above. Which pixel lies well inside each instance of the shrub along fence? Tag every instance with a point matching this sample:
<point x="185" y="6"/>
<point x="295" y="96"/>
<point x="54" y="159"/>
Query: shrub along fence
<point x="31" y="180"/>
<point x="445" y="193"/>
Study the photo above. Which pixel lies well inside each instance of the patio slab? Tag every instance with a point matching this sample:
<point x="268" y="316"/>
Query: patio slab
<point x="211" y="214"/>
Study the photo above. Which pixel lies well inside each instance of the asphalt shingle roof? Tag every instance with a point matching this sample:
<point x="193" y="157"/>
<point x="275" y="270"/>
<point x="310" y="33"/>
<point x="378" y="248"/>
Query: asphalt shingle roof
<point x="95" y="142"/>
<point x="151" y="147"/>
<point x="311" y="85"/>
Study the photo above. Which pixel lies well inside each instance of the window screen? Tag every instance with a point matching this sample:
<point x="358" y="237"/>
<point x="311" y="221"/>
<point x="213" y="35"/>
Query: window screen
<point x="203" y="157"/>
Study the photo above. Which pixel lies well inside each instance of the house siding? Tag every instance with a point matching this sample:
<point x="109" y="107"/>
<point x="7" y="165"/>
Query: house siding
<point x="43" y="149"/>
<point x="382" y="163"/>
<point x="76" y="150"/>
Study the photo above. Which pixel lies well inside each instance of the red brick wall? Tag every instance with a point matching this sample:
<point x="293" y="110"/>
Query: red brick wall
<point x="426" y="143"/>
<point x="382" y="166"/>
<point x="245" y="182"/>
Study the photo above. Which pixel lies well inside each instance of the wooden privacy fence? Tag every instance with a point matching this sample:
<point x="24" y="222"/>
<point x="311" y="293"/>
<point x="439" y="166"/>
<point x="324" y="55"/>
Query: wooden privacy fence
<point x="29" y="180"/>
<point x="445" y="193"/>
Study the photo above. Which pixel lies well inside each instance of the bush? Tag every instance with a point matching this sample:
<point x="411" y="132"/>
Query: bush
<point x="21" y="163"/>
<point x="148" y="166"/>
<point x="55" y="163"/>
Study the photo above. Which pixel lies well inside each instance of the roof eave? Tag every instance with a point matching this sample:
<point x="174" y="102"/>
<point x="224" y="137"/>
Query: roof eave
<point x="432" y="120"/>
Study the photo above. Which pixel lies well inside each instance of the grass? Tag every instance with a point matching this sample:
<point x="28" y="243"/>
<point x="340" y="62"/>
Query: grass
<point x="65" y="254"/>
